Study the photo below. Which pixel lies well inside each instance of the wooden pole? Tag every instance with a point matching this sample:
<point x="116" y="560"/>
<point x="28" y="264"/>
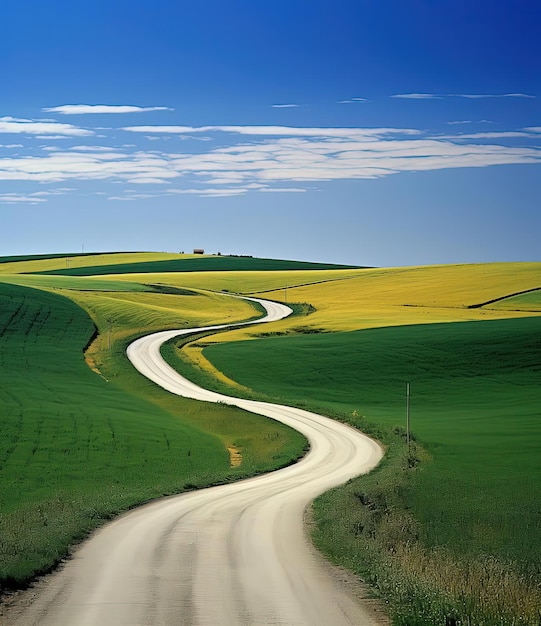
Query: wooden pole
<point x="408" y="402"/>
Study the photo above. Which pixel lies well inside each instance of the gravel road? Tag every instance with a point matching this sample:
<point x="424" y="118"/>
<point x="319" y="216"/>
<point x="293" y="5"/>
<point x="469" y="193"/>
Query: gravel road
<point x="231" y="555"/>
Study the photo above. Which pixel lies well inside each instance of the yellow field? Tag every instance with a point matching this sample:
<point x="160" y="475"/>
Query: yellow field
<point x="397" y="296"/>
<point x="121" y="314"/>
<point x="344" y="300"/>
<point x="393" y="297"/>
<point x="45" y="265"/>
<point x="135" y="312"/>
<point x="245" y="282"/>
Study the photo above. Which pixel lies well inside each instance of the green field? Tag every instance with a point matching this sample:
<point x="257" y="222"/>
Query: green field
<point x="40" y="263"/>
<point x="197" y="264"/>
<point x="78" y="448"/>
<point x="41" y="257"/>
<point x="87" y="283"/>
<point x="448" y="529"/>
<point x="475" y="407"/>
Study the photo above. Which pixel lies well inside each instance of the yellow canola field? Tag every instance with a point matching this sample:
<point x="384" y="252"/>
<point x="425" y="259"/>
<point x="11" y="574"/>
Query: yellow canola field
<point x="245" y="282"/>
<point x="399" y="296"/>
<point x="91" y="260"/>
<point x="347" y="300"/>
<point x="133" y="312"/>
<point x="120" y="315"/>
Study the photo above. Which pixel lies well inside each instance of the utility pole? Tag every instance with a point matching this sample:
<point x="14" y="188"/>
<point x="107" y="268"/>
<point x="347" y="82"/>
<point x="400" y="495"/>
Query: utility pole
<point x="408" y="414"/>
<point x="109" y="331"/>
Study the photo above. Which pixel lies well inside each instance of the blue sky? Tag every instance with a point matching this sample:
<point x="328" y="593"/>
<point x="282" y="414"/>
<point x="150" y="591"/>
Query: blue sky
<point x="384" y="133"/>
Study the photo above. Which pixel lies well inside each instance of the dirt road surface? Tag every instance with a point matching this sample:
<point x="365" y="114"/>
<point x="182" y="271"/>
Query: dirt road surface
<point x="230" y="555"/>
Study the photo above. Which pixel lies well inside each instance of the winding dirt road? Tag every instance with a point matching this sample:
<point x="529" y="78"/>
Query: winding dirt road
<point x="226" y="556"/>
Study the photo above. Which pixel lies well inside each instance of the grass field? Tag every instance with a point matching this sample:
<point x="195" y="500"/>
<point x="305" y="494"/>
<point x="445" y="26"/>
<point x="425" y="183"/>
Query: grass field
<point x="475" y="407"/>
<point x="42" y="263"/>
<point x="347" y="300"/>
<point x="41" y="257"/>
<point x="424" y="527"/>
<point x="196" y="264"/>
<point x="77" y="449"/>
<point x="88" y="283"/>
<point x="523" y="302"/>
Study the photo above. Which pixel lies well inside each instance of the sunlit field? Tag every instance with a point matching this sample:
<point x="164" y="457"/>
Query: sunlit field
<point x="32" y="264"/>
<point x="449" y="527"/>
<point x="472" y="503"/>
<point x="80" y="446"/>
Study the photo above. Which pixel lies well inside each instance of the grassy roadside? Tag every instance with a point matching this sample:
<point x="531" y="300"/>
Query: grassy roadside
<point x="78" y="448"/>
<point x="428" y="534"/>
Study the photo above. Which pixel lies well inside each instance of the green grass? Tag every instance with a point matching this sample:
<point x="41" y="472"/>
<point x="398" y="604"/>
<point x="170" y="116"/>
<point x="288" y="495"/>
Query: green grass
<point x="42" y="257"/>
<point x="476" y="409"/>
<point x="202" y="264"/>
<point x="525" y="301"/>
<point x="76" y="449"/>
<point x="85" y="283"/>
<point x="41" y="263"/>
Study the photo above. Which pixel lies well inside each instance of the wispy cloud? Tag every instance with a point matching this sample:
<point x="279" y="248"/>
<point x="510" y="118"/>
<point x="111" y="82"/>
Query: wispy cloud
<point x="213" y="192"/>
<point x="20" y="198"/>
<point x="267" y="159"/>
<point x="487" y="95"/>
<point x="284" y="106"/>
<point x="275" y="131"/>
<point x="36" y="197"/>
<point x="472" y="96"/>
<point x="283" y="190"/>
<point x="41" y="128"/>
<point x="489" y="135"/>
<point x="417" y="96"/>
<point x="352" y="101"/>
<point x="83" y="109"/>
<point x="92" y="149"/>
<point x="471" y="122"/>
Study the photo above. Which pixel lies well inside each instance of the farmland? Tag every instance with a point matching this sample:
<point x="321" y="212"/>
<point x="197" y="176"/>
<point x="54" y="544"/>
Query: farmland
<point x="476" y="412"/>
<point x="448" y="528"/>
<point x="78" y="448"/>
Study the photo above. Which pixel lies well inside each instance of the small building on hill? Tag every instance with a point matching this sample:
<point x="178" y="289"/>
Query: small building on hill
<point x="198" y="251"/>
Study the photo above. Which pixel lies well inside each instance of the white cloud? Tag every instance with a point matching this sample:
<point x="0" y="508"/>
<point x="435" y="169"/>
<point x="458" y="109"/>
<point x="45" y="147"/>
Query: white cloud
<point x="51" y="130"/>
<point x="486" y="95"/>
<point x="92" y="149"/>
<point x="148" y="180"/>
<point x="489" y="135"/>
<point x="212" y="192"/>
<point x="283" y="131"/>
<point x="471" y="122"/>
<point x="20" y="198"/>
<point x="11" y="145"/>
<point x="534" y="129"/>
<point x="284" y="106"/>
<point x="50" y="137"/>
<point x="267" y="158"/>
<point x="352" y="101"/>
<point x="473" y="96"/>
<point x="417" y="96"/>
<point x="81" y="109"/>
<point x="283" y="190"/>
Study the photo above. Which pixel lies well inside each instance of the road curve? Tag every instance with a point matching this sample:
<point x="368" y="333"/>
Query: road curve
<point x="231" y="555"/>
